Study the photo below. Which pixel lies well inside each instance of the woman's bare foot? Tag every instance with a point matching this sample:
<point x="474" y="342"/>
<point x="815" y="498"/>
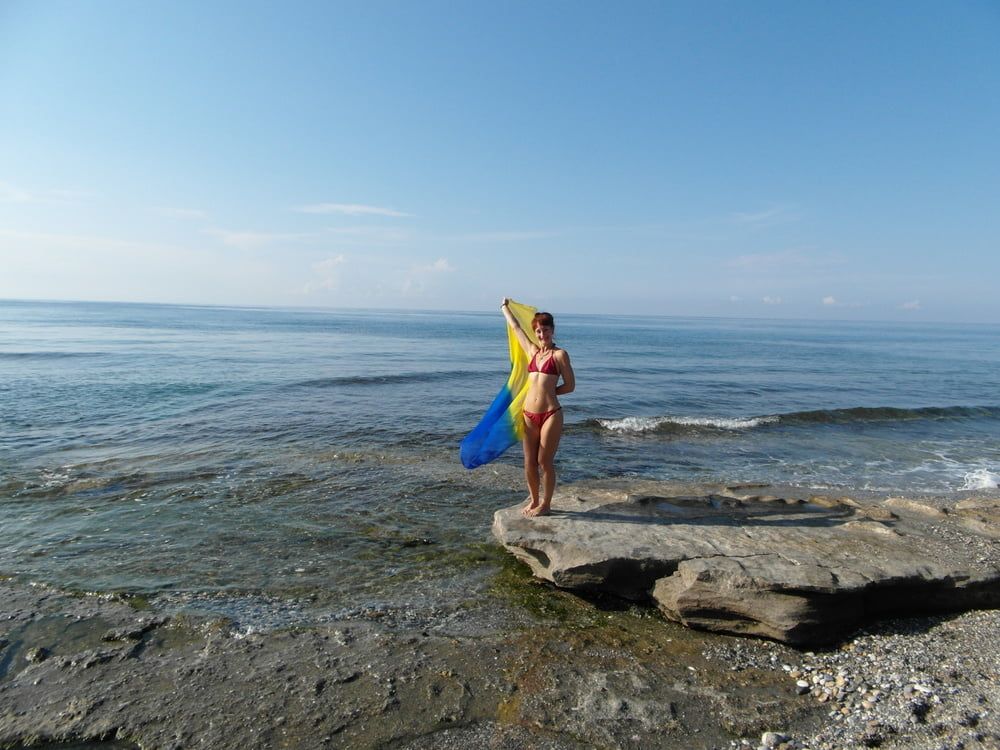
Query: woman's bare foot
<point x="542" y="509"/>
<point x="529" y="507"/>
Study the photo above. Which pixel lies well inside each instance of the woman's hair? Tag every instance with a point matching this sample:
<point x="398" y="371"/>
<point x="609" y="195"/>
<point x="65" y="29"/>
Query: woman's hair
<point x="544" y="318"/>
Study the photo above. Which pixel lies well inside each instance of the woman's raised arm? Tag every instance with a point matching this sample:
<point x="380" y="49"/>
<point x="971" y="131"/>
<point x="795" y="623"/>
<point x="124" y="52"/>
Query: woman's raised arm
<point x="522" y="337"/>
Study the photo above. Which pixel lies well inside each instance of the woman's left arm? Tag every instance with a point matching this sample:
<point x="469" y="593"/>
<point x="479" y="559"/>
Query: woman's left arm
<point x="566" y="370"/>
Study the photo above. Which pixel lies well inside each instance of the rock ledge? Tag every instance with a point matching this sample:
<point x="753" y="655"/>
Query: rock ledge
<point x="802" y="570"/>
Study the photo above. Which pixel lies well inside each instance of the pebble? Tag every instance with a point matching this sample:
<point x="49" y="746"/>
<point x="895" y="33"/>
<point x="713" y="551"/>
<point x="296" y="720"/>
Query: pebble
<point x="913" y="684"/>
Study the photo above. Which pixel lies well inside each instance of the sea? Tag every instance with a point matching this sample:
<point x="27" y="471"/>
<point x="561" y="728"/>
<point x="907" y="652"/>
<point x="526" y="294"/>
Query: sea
<point x="286" y="466"/>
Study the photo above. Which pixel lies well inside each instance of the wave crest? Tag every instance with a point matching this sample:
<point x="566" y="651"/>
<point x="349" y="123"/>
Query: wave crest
<point x="50" y="355"/>
<point x="855" y="415"/>
<point x="661" y="424"/>
<point x="981" y="479"/>
<point x="889" y="414"/>
<point x="385" y="379"/>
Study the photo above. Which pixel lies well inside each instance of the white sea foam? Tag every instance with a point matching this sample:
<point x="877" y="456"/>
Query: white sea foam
<point x="647" y="424"/>
<point x="981" y="479"/>
<point x="726" y="424"/>
<point x="52" y="479"/>
<point x="631" y="424"/>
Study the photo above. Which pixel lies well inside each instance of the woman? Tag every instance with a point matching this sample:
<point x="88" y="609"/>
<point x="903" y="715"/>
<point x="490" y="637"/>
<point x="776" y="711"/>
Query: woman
<point x="543" y="416"/>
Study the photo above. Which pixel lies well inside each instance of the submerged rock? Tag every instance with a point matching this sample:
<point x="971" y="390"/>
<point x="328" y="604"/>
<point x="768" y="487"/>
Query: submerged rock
<point x="798" y="570"/>
<point x="36" y="655"/>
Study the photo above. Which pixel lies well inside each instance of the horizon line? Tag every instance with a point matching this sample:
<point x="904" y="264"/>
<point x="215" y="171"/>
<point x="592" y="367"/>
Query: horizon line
<point x="321" y="308"/>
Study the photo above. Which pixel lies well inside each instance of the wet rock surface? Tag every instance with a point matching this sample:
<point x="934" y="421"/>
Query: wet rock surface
<point x="579" y="676"/>
<point x="803" y="569"/>
<point x="525" y="665"/>
<point x="583" y="675"/>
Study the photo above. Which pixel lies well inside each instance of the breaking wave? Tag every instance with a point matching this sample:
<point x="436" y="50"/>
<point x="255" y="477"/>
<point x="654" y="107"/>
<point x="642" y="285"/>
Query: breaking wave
<point x="981" y="479"/>
<point x="672" y="424"/>
<point x="856" y="415"/>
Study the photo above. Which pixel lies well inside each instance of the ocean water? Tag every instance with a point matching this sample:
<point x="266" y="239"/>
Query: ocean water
<point x="279" y="466"/>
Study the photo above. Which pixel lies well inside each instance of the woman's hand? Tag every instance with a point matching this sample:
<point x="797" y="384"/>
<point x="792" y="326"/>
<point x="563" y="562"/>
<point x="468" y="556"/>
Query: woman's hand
<point x="504" y="302"/>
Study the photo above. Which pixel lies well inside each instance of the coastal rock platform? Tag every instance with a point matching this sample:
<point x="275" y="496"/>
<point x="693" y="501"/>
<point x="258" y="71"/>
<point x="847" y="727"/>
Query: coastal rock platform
<point x="753" y="560"/>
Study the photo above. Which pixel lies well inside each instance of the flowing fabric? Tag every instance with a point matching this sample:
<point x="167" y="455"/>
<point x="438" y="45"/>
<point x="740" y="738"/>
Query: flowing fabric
<point x="503" y="423"/>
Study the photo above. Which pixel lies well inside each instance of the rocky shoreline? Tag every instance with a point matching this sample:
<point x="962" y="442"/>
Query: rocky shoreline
<point x="525" y="666"/>
<point x="123" y="679"/>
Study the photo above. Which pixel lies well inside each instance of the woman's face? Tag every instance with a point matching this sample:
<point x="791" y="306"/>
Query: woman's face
<point x="544" y="333"/>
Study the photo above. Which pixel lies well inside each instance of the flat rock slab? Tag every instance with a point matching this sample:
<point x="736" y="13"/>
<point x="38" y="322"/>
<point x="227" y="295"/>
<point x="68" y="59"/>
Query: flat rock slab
<point x="802" y="570"/>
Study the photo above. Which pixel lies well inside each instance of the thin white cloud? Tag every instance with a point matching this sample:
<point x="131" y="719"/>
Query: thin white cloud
<point x="765" y="261"/>
<point x="14" y="194"/>
<point x="441" y="265"/>
<point x="87" y="242"/>
<point x="508" y="236"/>
<point x="369" y="234"/>
<point x="68" y="196"/>
<point x="85" y="267"/>
<point x="421" y="278"/>
<point x="767" y="217"/>
<point x="912" y="305"/>
<point x="785" y="259"/>
<point x="247" y="240"/>
<point x="734" y="298"/>
<point x="771" y="300"/>
<point x="351" y="209"/>
<point x="173" y="212"/>
<point x="328" y="272"/>
<point x="10" y="193"/>
<point x="353" y="236"/>
<point x="831" y="301"/>
<point x="329" y="264"/>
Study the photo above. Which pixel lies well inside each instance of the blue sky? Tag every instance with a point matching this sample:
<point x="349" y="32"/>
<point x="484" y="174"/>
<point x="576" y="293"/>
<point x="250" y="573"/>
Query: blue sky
<point x="750" y="159"/>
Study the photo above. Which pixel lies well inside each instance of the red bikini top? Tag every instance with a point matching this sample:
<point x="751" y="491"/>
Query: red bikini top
<point x="548" y="368"/>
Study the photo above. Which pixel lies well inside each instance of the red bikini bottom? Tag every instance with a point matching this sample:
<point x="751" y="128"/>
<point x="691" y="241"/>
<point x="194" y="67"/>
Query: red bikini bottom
<point x="538" y="418"/>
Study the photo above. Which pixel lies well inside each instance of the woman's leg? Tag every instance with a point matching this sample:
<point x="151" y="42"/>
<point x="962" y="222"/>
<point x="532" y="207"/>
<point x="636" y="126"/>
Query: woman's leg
<point x="548" y="444"/>
<point x="532" y="438"/>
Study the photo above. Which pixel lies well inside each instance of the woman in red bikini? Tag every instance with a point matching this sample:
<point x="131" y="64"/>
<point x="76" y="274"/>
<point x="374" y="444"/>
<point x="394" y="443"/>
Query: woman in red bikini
<point x="543" y="417"/>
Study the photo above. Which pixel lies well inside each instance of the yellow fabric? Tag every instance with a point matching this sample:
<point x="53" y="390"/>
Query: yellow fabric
<point x="503" y="423"/>
<point x="517" y="383"/>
